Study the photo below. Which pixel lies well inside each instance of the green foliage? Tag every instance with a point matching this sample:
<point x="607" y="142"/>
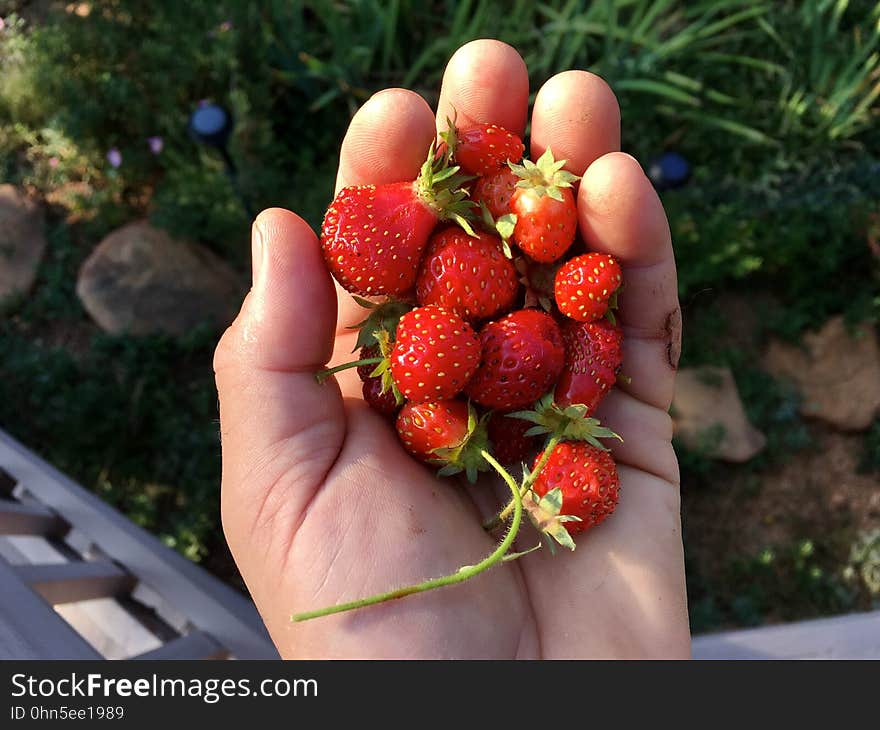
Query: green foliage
<point x="134" y="418"/>
<point x="780" y="583"/>
<point x="864" y="564"/>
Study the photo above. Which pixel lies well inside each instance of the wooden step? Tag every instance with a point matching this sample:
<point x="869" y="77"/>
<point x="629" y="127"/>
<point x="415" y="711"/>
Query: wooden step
<point x="77" y="581"/>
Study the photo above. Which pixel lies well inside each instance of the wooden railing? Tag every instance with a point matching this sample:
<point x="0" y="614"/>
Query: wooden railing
<point x="99" y="554"/>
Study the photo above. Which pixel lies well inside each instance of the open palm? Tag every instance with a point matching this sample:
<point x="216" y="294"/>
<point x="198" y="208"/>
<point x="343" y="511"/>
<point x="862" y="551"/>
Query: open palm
<point x="320" y="503"/>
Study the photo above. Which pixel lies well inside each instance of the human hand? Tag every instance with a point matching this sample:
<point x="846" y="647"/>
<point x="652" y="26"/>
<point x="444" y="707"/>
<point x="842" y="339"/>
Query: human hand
<point x="321" y="504"/>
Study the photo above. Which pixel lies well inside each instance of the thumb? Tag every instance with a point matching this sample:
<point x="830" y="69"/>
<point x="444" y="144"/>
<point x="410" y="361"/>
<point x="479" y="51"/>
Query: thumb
<point x="280" y="429"/>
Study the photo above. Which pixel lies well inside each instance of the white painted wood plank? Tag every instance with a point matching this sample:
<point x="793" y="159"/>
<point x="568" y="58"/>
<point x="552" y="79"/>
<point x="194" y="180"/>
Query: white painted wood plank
<point x="30" y="629"/>
<point x="853" y="636"/>
<point x="214" y="607"/>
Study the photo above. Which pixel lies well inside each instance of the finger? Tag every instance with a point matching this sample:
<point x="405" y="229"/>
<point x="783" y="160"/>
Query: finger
<point x="646" y="432"/>
<point x="275" y="418"/>
<point x="620" y="214"/>
<point x="575" y="114"/>
<point x="485" y="82"/>
<point x="387" y="140"/>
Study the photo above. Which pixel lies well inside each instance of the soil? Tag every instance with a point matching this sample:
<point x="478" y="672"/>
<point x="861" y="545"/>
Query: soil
<point x="818" y="494"/>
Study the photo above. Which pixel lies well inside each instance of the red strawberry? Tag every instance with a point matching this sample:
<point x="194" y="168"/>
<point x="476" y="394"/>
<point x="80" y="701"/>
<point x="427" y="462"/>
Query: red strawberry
<point x="495" y="190"/>
<point x="468" y="275"/>
<point x="435" y="354"/>
<point x="546" y="213"/>
<point x="483" y="149"/>
<point x="385" y="403"/>
<point x="510" y="445"/>
<point x="587" y="478"/>
<point x="445" y="433"/>
<point x="585" y="284"/>
<point x="523" y="354"/>
<point x="592" y="359"/>
<point x="373" y="236"/>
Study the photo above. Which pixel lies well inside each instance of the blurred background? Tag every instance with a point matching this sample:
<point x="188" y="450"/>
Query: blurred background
<point x="124" y="224"/>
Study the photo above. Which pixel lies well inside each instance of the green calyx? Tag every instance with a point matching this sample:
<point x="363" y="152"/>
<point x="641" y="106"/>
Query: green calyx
<point x="440" y="186"/>
<point x="544" y="177"/>
<point x="383" y="369"/>
<point x="569" y="424"/>
<point x="384" y="317"/>
<point x="544" y="514"/>
<point x="467" y="456"/>
<point x="503" y="227"/>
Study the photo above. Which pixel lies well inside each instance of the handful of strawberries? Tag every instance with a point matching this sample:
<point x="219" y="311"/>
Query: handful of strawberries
<point x="495" y="330"/>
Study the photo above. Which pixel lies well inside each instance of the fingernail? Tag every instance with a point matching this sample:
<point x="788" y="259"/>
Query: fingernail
<point x="256" y="252"/>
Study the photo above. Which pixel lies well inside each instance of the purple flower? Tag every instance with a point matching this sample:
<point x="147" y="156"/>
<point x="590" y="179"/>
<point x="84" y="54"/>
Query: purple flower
<point x="114" y="157"/>
<point x="156" y="144"/>
<point x="53" y="162"/>
<point x="203" y="103"/>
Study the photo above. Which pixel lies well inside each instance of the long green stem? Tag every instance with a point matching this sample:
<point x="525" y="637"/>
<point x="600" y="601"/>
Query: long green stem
<point x="502" y="516"/>
<point x="322" y="375"/>
<point x="464" y="573"/>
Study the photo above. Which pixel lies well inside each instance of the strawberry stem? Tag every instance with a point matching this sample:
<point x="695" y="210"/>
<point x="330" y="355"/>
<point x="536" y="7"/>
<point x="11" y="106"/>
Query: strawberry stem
<point x="464" y="573"/>
<point x="502" y="516"/>
<point x="322" y="375"/>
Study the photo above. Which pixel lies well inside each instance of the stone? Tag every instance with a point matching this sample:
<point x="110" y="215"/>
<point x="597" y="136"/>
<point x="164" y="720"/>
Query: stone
<point x="139" y="280"/>
<point x="22" y="242"/>
<point x="709" y="417"/>
<point x="836" y="373"/>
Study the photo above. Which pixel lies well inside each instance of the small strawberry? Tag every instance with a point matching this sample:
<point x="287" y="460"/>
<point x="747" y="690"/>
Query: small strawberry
<point x="510" y="445"/>
<point x="585" y="285"/>
<point x="373" y="236"/>
<point x="445" y="433"/>
<point x="587" y="480"/>
<point x="365" y="372"/>
<point x="592" y="360"/>
<point x="545" y="209"/>
<point x="435" y="354"/>
<point x="523" y="354"/>
<point x="495" y="190"/>
<point x="384" y="403"/>
<point x="467" y="275"/>
<point x="538" y="282"/>
<point x="483" y="149"/>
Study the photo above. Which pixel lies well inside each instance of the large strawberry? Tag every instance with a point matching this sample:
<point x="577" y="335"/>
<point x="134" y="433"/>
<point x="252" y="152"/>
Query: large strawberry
<point x="587" y="480"/>
<point x="373" y="236"/>
<point x="467" y="274"/>
<point x="592" y="360"/>
<point x="585" y="285"/>
<point x="444" y="433"/>
<point x="483" y="149"/>
<point x="523" y="354"/>
<point x="435" y="354"/>
<point x="545" y="209"/>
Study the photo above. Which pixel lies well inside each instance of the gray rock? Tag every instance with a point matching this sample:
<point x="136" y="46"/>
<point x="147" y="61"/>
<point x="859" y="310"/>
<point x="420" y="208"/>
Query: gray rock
<point x="22" y="242"/>
<point x="139" y="280"/>
<point x="709" y="416"/>
<point x="836" y="373"/>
